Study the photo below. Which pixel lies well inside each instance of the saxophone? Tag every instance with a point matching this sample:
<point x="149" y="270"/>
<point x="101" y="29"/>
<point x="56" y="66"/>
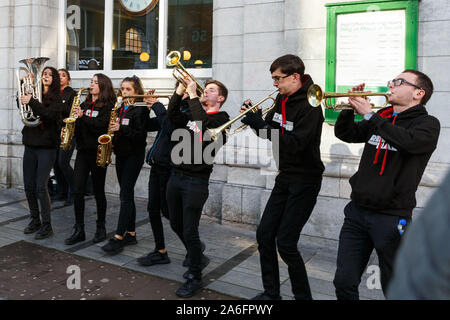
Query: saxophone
<point x="68" y="130"/>
<point x="105" y="140"/>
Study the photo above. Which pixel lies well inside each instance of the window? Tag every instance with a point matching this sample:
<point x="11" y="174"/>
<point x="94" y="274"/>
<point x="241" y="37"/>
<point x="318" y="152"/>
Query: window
<point x="135" y="39"/>
<point x="190" y="31"/>
<point x="84" y="38"/>
<point x="101" y="35"/>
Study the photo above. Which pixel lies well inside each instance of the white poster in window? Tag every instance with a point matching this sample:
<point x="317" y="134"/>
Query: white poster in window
<point x="370" y="48"/>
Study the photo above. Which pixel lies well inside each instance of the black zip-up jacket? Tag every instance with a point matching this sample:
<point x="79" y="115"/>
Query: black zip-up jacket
<point x="47" y="133"/>
<point x="396" y="152"/>
<point x="193" y="163"/>
<point x="159" y="153"/>
<point x="131" y="138"/>
<point x="91" y="126"/>
<point x="299" y="141"/>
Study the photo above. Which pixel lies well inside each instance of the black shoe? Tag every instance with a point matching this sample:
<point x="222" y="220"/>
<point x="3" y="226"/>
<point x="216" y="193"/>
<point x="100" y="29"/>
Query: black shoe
<point x="203" y="264"/>
<point x="78" y="235"/>
<point x="265" y="296"/>
<point x="44" y="232"/>
<point x="100" y="233"/>
<point x="33" y="226"/>
<point x="154" y="257"/>
<point x="68" y="202"/>
<point x="186" y="259"/>
<point x="114" y="246"/>
<point x="129" y="239"/>
<point x="189" y="288"/>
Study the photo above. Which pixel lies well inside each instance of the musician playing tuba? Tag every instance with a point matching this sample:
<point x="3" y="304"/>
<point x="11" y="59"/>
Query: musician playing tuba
<point x="41" y="143"/>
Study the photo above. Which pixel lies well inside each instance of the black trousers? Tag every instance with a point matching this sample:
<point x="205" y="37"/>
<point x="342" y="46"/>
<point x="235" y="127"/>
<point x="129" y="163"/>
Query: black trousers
<point x="64" y="171"/>
<point x="85" y="163"/>
<point x="128" y="169"/>
<point x="157" y="202"/>
<point x="185" y="198"/>
<point x="364" y="230"/>
<point x="287" y="210"/>
<point x="37" y="164"/>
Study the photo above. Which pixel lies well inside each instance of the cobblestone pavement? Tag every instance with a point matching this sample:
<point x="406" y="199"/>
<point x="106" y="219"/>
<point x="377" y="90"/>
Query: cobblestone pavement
<point x="234" y="270"/>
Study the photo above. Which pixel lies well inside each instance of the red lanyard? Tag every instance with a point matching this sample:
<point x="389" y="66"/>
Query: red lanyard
<point x="92" y="110"/>
<point x="124" y="111"/>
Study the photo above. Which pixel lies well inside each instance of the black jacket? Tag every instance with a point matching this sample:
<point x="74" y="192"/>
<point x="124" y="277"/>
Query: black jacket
<point x="68" y="94"/>
<point x="299" y="142"/>
<point x="47" y="133"/>
<point x="90" y="126"/>
<point x="159" y="153"/>
<point x="389" y="172"/>
<point x="131" y="138"/>
<point x="192" y="141"/>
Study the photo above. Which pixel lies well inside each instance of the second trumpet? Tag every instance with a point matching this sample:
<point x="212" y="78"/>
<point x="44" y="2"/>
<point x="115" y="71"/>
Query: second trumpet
<point x="316" y="96"/>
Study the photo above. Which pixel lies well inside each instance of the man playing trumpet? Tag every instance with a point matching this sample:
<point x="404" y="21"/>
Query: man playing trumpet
<point x="399" y="141"/>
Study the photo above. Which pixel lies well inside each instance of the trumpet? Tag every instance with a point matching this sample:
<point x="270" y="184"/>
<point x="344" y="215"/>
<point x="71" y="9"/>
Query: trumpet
<point x="144" y="104"/>
<point x="316" y="96"/>
<point x="180" y="72"/>
<point x="214" y="133"/>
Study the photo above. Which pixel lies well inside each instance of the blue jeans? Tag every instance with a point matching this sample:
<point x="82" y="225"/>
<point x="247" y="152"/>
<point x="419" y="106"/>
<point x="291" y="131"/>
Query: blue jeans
<point x="186" y="196"/>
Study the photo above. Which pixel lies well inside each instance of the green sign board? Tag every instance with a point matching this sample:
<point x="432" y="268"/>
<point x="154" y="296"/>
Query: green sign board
<point x="369" y="42"/>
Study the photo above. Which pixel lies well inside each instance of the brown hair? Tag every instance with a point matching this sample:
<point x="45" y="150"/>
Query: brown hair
<point x="137" y="85"/>
<point x="107" y="95"/>
<point x="223" y="91"/>
<point x="424" y="82"/>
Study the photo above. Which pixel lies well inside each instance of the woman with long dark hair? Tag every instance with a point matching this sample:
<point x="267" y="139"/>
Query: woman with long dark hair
<point x="129" y="147"/>
<point x="93" y="119"/>
<point x="62" y="168"/>
<point x="41" y="143"/>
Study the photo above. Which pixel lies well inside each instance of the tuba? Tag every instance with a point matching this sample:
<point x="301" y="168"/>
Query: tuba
<point x="104" y="149"/>
<point x="30" y="85"/>
<point x="68" y="130"/>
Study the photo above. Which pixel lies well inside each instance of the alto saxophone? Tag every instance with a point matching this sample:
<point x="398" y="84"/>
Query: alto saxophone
<point x="68" y="130"/>
<point x="104" y="149"/>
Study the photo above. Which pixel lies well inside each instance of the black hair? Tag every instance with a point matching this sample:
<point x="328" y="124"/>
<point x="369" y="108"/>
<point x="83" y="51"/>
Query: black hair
<point x="54" y="91"/>
<point x="289" y="64"/>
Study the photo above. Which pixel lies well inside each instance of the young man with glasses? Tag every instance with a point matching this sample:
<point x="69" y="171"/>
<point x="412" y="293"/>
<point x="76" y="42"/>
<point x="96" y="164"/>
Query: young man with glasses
<point x="298" y="127"/>
<point x="399" y="141"/>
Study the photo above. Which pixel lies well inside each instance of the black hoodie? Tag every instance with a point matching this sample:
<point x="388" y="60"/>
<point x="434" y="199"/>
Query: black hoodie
<point x="299" y="137"/>
<point x="131" y="138"/>
<point x="92" y="125"/>
<point x="47" y="133"/>
<point x="68" y="94"/>
<point x="194" y="164"/>
<point x="396" y="152"/>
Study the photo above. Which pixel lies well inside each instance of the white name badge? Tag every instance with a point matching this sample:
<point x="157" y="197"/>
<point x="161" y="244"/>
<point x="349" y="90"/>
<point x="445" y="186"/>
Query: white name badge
<point x="93" y="115"/>
<point x="125" y="122"/>
<point x="289" y="126"/>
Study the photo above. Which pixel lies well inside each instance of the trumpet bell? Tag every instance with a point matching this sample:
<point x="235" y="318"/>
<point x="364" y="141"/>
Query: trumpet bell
<point x="315" y="95"/>
<point x="104" y="139"/>
<point x="172" y="58"/>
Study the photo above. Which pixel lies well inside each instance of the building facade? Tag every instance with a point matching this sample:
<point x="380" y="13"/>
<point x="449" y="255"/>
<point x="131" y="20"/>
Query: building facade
<point x="233" y="41"/>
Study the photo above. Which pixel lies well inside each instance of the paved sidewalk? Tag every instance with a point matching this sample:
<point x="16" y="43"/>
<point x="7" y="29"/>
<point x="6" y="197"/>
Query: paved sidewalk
<point x="234" y="268"/>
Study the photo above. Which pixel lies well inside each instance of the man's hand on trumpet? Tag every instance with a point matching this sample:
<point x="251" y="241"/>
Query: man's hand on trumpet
<point x="150" y="100"/>
<point x="191" y="87"/>
<point x="361" y="105"/>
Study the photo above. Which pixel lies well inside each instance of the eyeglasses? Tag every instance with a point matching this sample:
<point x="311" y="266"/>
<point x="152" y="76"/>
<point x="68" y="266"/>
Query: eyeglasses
<point x="399" y="82"/>
<point x="278" y="78"/>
